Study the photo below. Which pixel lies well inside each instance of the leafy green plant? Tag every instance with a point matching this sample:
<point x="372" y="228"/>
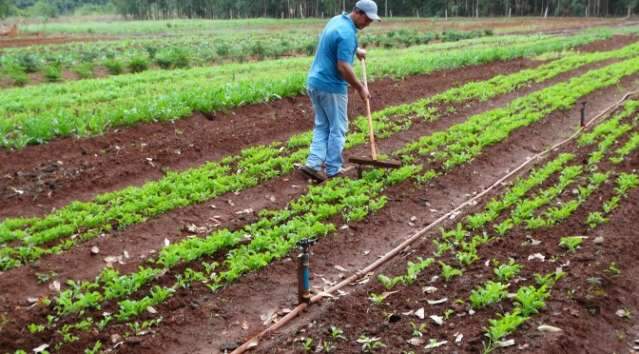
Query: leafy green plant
<point x="388" y="282"/>
<point x="502" y="228"/>
<point x="626" y="182"/>
<point x="506" y="272"/>
<point x="530" y="299"/>
<point x="34" y="328"/>
<point x="490" y="293"/>
<point x="84" y="70"/>
<point x="377" y="299"/>
<point x="571" y="242"/>
<point x="369" y="344"/>
<point x="138" y="64"/>
<point x="29" y="62"/>
<point x="613" y="269"/>
<point x="595" y="219"/>
<point x="95" y="349"/>
<point x="441" y="247"/>
<point x="467" y="257"/>
<point x="336" y="333"/>
<point x="114" y="66"/>
<point x="53" y="73"/>
<point x="307" y="344"/>
<point x="449" y="272"/>
<point x="417" y="330"/>
<point x="504" y="325"/>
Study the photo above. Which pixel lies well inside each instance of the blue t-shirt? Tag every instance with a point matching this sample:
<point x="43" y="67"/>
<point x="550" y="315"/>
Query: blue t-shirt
<point x="338" y="42"/>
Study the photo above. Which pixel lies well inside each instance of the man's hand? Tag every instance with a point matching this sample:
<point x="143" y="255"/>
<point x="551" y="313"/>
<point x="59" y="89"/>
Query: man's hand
<point x="361" y="53"/>
<point x="363" y="93"/>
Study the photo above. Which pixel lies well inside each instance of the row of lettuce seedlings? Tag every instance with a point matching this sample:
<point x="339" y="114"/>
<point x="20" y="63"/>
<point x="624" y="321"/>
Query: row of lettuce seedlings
<point x="563" y="181"/>
<point x="127" y="296"/>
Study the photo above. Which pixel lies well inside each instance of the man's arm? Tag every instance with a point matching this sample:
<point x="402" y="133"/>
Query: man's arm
<point x="346" y="70"/>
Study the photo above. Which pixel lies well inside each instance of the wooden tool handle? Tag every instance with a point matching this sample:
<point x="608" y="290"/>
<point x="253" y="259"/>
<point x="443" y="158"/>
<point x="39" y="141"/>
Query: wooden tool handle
<point x="371" y="134"/>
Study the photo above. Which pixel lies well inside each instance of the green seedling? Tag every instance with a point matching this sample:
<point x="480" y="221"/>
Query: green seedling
<point x="571" y="243"/>
<point x="506" y="272"/>
<point x="377" y="299"/>
<point x="502" y="228"/>
<point x="369" y="344"/>
<point x="491" y="293"/>
<point x="613" y="269"/>
<point x="327" y="346"/>
<point x="448" y="313"/>
<point x="46" y="277"/>
<point x="336" y="333"/>
<point x="441" y="247"/>
<point x="449" y="272"/>
<point x="388" y="282"/>
<point x="34" y="328"/>
<point x="417" y="330"/>
<point x="307" y="345"/>
<point x="530" y="299"/>
<point x="504" y="325"/>
<point x="595" y="219"/>
<point x="95" y="349"/>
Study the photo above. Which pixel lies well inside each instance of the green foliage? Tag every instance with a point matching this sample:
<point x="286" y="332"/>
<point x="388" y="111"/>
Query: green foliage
<point x="370" y="344"/>
<point x="388" y="282"/>
<point x="138" y="64"/>
<point x="449" y="272"/>
<point x="220" y="87"/>
<point x="417" y="330"/>
<point x="530" y="299"/>
<point x="613" y="269"/>
<point x="504" y="325"/>
<point x="336" y="333"/>
<point x="491" y="293"/>
<point x="626" y="182"/>
<point x="29" y="62"/>
<point x="43" y="8"/>
<point x="34" y="328"/>
<point x="377" y="299"/>
<point x="571" y="242"/>
<point x="175" y="57"/>
<point x="506" y="272"/>
<point x="114" y="66"/>
<point x="95" y="349"/>
<point x="53" y="73"/>
<point x="84" y="70"/>
<point x="595" y="219"/>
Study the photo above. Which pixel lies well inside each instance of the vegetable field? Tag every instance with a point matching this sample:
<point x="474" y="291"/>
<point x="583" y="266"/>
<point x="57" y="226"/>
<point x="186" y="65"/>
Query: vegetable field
<point x="150" y="202"/>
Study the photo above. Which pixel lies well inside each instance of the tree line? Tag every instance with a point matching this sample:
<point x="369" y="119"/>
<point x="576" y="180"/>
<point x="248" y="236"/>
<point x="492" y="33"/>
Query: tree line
<point x="162" y="9"/>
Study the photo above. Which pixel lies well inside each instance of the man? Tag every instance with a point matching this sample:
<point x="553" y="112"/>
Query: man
<point x="330" y="73"/>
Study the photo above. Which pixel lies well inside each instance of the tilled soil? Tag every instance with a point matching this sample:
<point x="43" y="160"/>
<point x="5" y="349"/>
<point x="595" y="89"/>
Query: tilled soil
<point x="38" y="178"/>
<point x="25" y="41"/>
<point x="54" y="174"/>
<point x="583" y="304"/>
<point x="199" y="322"/>
<point x="140" y="241"/>
<point x="241" y="309"/>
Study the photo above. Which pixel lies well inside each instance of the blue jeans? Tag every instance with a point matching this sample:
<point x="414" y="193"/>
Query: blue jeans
<point x="329" y="134"/>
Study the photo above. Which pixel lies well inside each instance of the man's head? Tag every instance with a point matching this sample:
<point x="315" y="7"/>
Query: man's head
<point x="364" y="13"/>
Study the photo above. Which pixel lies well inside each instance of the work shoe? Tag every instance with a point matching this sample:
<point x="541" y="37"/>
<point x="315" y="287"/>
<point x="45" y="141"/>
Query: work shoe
<point x="312" y="173"/>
